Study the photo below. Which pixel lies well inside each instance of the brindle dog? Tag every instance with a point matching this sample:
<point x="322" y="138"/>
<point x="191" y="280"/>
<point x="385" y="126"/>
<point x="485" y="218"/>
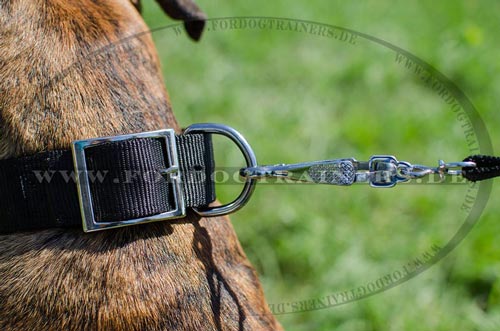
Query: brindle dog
<point x="61" y="81"/>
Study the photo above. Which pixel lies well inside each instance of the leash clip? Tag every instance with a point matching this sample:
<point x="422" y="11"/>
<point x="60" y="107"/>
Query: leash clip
<point x="381" y="171"/>
<point x="442" y="170"/>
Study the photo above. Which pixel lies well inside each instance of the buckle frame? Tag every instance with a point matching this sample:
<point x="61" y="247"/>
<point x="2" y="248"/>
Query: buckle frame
<point x="83" y="185"/>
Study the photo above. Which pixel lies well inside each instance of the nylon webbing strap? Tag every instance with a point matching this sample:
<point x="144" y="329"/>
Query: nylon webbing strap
<point x="39" y="191"/>
<point x="486" y="167"/>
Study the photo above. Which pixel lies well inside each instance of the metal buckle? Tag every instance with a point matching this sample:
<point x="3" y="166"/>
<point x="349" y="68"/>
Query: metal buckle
<point x="83" y="185"/>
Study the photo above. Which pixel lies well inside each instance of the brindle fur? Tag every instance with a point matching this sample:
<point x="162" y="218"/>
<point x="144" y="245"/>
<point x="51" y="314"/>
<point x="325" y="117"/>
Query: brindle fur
<point x="59" y="81"/>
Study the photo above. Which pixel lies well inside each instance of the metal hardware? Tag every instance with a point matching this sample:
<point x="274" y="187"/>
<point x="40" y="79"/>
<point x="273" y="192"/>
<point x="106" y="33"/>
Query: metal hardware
<point x="443" y="169"/>
<point x="334" y="172"/>
<point x="82" y="180"/>
<point x="250" y="159"/>
<point x="379" y="171"/>
<point x="383" y="171"/>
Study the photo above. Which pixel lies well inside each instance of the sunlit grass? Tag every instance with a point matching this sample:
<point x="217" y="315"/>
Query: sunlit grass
<point x="298" y="97"/>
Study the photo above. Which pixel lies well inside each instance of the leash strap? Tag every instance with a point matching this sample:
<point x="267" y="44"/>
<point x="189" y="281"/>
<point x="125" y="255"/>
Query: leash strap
<point x="40" y="191"/>
<point x="486" y="167"/>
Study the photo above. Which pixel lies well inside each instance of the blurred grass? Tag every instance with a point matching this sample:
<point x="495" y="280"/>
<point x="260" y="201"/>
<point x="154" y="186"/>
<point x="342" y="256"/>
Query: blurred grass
<point x="298" y="97"/>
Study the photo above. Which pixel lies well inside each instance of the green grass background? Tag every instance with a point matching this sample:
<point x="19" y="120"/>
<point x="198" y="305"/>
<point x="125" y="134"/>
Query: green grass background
<point x="298" y="97"/>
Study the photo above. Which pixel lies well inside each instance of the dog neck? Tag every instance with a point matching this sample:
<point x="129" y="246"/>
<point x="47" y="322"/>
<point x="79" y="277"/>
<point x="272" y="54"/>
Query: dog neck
<point x="77" y="70"/>
<point x="74" y="71"/>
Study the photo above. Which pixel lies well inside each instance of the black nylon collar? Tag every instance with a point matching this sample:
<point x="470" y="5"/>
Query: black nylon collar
<point x="39" y="191"/>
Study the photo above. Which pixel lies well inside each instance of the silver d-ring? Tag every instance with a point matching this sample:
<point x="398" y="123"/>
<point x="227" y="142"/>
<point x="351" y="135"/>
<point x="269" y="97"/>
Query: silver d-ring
<point x="250" y="159"/>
